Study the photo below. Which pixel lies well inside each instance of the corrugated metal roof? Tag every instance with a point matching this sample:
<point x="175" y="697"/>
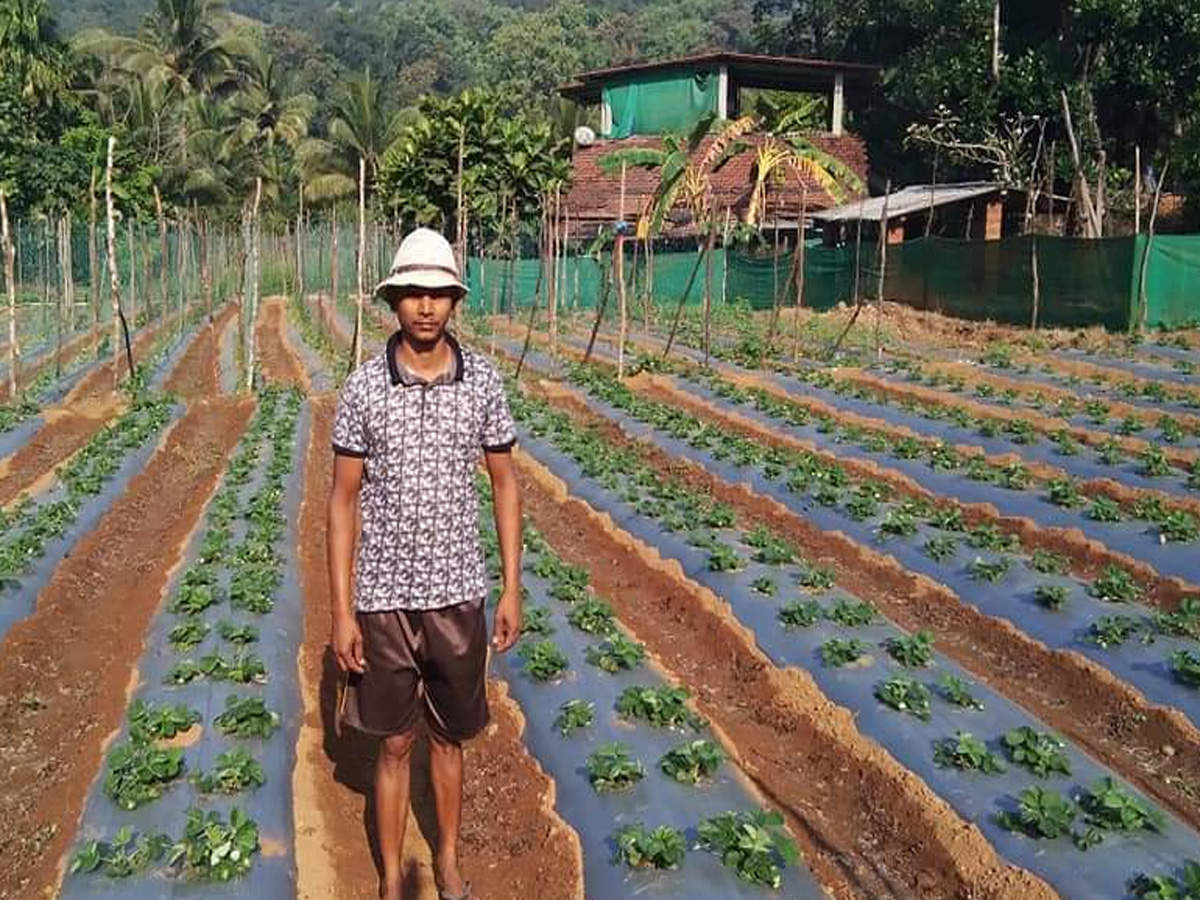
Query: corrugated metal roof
<point x="914" y="198"/>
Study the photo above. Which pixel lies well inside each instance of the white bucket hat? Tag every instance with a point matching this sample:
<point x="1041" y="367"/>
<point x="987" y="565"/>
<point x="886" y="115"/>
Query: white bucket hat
<point x="424" y="259"/>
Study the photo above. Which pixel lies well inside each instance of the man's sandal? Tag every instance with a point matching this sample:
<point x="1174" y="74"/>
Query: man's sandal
<point x="465" y="895"/>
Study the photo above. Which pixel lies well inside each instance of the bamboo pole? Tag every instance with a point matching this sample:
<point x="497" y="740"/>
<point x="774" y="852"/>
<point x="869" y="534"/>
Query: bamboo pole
<point x="619" y="278"/>
<point x="162" y="250"/>
<point x="552" y="285"/>
<point x="708" y="263"/>
<point x="1143" y="302"/>
<point x="133" y="310"/>
<point x="362" y="250"/>
<point x="798" y="263"/>
<point x="62" y="296"/>
<point x="883" y="228"/>
<point x="253" y="285"/>
<point x="1033" y="264"/>
<point x="119" y="324"/>
<point x="10" y="289"/>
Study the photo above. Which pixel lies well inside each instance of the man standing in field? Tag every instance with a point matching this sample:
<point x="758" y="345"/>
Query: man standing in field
<point x="407" y="437"/>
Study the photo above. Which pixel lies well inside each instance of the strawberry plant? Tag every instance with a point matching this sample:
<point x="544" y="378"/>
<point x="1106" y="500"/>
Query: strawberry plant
<point x="661" y="848"/>
<point x="912" y="650"/>
<point x="1097" y="411"/>
<point x="1040" y="814"/>
<point x="1148" y="508"/>
<point x="838" y="652"/>
<point x="234" y="771"/>
<point x="1021" y="431"/>
<point x="1047" y="562"/>
<point x="816" y="578"/>
<point x="138" y="772"/>
<point x="764" y="585"/>
<point x="616" y="654"/>
<point x="957" y="691"/>
<point x="610" y="768"/>
<point x="1111" y="631"/>
<point x="662" y="707"/>
<point x="752" y="844"/>
<point x="1115" y="585"/>
<point x="197" y="592"/>
<point x="1171" y="431"/>
<point x="1154" y="462"/>
<point x="1065" y="443"/>
<point x="904" y="695"/>
<point x="965" y="751"/>
<point x="1108" y="806"/>
<point x="1111" y="452"/>
<point x="853" y="613"/>
<point x="898" y="522"/>
<point x="692" y="762"/>
<point x="1041" y="753"/>
<point x="1064" y="492"/>
<point x="800" y="614"/>
<point x="212" y="850"/>
<point x="183" y="672"/>
<point x="1183" y="622"/>
<point x="188" y="633"/>
<point x="1051" y="596"/>
<point x="544" y="661"/>
<point x="1105" y="510"/>
<point x="1179" y="527"/>
<point x="237" y="634"/>
<point x="1164" y="887"/>
<point x="989" y="570"/>
<point x="1185" y="666"/>
<point x="723" y="558"/>
<point x="246" y="717"/>
<point x="1129" y="425"/>
<point x="940" y="549"/>
<point x="536" y="621"/>
<point x="908" y="448"/>
<point x="149" y="722"/>
<point x="862" y="507"/>
<point x="573" y="715"/>
<point x="990" y="537"/>
<point x="124" y="856"/>
<point x="593" y="616"/>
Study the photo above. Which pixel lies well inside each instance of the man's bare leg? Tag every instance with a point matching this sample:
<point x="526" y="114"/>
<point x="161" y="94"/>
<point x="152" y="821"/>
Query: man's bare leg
<point x="446" y="772"/>
<point x="391" y="808"/>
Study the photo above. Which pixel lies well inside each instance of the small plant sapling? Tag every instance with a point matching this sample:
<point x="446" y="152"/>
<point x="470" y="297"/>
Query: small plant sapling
<point x="1164" y="887"/>
<point x="965" y="751"/>
<point x="1105" y="509"/>
<point x="1040" y="814"/>
<point x="593" y="616"/>
<point x="618" y="653"/>
<point x="839" y="652"/>
<point x="904" y="695"/>
<point x="1108" y="806"/>
<point x="150" y="722"/>
<point x="853" y="613"/>
<point x="663" y="707"/>
<point x="235" y="771"/>
<point x="661" y="848"/>
<point x="246" y="717"/>
<point x="610" y="768"/>
<point x="212" y="850"/>
<point x="1111" y="631"/>
<point x="753" y="844"/>
<point x="1185" y="666"/>
<point x="122" y="857"/>
<point x="940" y="549"/>
<point x="692" y="762"/>
<point x="723" y="558"/>
<point x="1051" y="596"/>
<point x="1115" y="585"/>
<point x="1041" y="753"/>
<point x="816" y="578"/>
<point x="543" y="660"/>
<point x="958" y="692"/>
<point x="137" y="773"/>
<point x="912" y="650"/>
<point x="800" y="614"/>
<point x="574" y="715"/>
<point x="1047" y="562"/>
<point x="537" y="621"/>
<point x="764" y="585"/>
<point x="990" y="571"/>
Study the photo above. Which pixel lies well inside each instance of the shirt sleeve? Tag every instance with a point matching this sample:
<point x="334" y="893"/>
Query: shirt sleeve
<point x="349" y="428"/>
<point x="499" y="429"/>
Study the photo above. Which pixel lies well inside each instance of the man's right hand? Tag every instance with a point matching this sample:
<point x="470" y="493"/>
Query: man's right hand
<point x="347" y="641"/>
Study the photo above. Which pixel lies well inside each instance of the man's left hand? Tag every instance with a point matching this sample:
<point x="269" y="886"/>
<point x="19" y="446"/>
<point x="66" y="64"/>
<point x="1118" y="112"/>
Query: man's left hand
<point x="506" y="627"/>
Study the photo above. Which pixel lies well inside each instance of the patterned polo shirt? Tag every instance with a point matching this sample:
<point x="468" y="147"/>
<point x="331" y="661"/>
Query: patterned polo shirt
<point x="421" y="443"/>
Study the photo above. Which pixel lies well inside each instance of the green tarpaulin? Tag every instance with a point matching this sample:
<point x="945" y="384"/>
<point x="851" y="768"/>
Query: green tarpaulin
<point x="657" y="104"/>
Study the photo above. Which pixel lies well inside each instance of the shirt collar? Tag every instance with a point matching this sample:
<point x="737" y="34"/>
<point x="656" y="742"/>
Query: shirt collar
<point x="402" y="374"/>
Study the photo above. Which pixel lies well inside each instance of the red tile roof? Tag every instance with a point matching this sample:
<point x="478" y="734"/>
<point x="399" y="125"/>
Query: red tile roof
<point x="595" y="196"/>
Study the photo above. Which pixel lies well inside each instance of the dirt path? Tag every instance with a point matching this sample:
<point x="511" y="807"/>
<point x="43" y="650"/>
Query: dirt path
<point x="277" y="361"/>
<point x="65" y="672"/>
<point x="198" y="373"/>
<point x="513" y="843"/>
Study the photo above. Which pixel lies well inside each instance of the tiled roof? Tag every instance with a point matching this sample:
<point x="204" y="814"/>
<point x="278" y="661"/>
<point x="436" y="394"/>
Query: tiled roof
<point x="595" y="196"/>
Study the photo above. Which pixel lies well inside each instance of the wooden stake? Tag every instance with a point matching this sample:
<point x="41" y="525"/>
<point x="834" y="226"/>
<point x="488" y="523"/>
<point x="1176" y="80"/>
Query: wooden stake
<point x="162" y="249"/>
<point x="1137" y="189"/>
<point x="362" y="252"/>
<point x="93" y="262"/>
<point x="119" y="323"/>
<point x="253" y="284"/>
<point x="619" y="278"/>
<point x="1033" y="264"/>
<point x="10" y="288"/>
<point x="883" y="227"/>
<point x="1143" y="303"/>
<point x="799" y="268"/>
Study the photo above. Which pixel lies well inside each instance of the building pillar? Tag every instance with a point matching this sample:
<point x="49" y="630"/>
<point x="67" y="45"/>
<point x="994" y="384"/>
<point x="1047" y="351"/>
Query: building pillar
<point x="723" y="92"/>
<point x="839" y="103"/>
<point x="993" y="224"/>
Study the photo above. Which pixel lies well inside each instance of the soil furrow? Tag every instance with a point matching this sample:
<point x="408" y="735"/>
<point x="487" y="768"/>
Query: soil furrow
<point x="277" y="362"/>
<point x="198" y="374"/>
<point x="65" y="671"/>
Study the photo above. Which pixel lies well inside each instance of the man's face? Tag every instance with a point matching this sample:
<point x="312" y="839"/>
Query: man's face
<point x="424" y="312"/>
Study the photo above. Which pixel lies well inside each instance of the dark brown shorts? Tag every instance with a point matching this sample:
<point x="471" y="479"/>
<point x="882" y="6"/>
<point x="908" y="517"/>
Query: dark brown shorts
<point x="421" y="661"/>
